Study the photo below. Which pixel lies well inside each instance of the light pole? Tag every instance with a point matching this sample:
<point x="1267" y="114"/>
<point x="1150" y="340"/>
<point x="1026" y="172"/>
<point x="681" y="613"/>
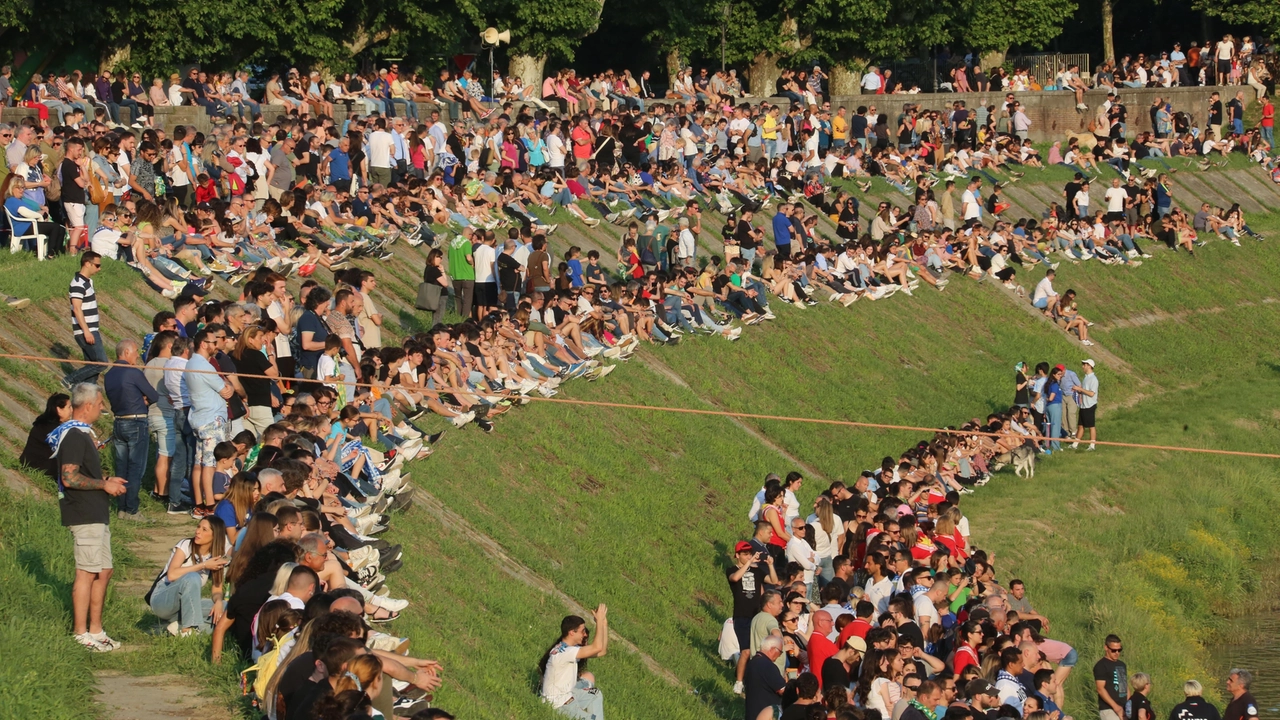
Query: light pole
<point x="724" y="30"/>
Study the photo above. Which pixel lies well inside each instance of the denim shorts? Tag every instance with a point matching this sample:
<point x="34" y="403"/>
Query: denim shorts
<point x="161" y="427"/>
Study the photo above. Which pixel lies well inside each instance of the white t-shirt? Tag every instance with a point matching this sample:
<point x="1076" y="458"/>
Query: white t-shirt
<point x="561" y="675"/>
<point x="969" y="202"/>
<point x="555" y="151"/>
<point x="871" y="81"/>
<point x="381" y="149"/>
<point x="105" y="242"/>
<point x="878" y="594"/>
<point x="484" y="257"/>
<point x="925" y="609"/>
<point x="178" y="176"/>
<point x="276" y="312"/>
<point x="1116" y="198"/>
<point x="811" y="158"/>
<point x="176" y="97"/>
<point x="1225" y="49"/>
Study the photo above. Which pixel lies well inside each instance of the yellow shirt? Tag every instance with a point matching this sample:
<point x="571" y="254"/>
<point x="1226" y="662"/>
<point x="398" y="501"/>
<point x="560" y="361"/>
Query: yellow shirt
<point x="839" y="128"/>
<point x="769" y="128"/>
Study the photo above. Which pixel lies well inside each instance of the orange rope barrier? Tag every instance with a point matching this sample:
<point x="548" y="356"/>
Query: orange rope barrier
<point x="714" y="413"/>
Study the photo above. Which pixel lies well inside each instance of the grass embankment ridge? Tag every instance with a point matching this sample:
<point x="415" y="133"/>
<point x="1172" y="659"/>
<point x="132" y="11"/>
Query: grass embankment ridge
<point x="638" y="509"/>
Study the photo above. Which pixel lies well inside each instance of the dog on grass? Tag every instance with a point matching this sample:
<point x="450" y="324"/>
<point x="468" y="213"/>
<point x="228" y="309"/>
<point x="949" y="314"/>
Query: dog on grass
<point x="1024" y="461"/>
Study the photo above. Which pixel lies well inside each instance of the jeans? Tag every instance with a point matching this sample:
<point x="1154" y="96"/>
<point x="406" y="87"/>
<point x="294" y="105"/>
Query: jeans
<point x="1055" y="424"/>
<point x="1268" y="135"/>
<point x="586" y="704"/>
<point x="97" y="352"/>
<point x="183" y="459"/>
<point x="132" y="442"/>
<point x="180" y="600"/>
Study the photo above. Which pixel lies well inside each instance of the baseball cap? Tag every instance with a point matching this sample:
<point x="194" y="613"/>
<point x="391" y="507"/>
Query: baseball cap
<point x="1088" y="361"/>
<point x="978" y="686"/>
<point x="743" y="546"/>
<point x="1059" y="366"/>
<point x="857" y="643"/>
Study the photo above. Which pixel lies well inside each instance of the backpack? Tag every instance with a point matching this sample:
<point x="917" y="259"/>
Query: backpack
<point x="263" y="670"/>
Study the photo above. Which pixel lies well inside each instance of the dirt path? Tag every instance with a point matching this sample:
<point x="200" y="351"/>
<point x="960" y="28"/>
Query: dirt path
<point x="157" y="697"/>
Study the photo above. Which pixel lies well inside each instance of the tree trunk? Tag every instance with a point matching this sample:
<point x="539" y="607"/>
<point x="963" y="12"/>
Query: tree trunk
<point x="763" y="73"/>
<point x="673" y="63"/>
<point x="844" y="81"/>
<point x="1108" y="32"/>
<point x="992" y="58"/>
<point x="113" y="57"/>
<point x="529" y="69"/>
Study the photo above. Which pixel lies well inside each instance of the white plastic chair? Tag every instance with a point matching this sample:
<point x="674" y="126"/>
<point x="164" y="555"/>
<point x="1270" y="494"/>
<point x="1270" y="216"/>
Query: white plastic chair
<point x="15" y="240"/>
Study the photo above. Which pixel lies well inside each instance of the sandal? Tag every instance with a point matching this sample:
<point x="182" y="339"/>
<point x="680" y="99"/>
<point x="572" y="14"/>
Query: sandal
<point x="381" y="615"/>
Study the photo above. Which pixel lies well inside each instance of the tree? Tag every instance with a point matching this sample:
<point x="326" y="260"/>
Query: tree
<point x="994" y="26"/>
<point x="1263" y="13"/>
<point x="541" y="29"/>
<point x="849" y="35"/>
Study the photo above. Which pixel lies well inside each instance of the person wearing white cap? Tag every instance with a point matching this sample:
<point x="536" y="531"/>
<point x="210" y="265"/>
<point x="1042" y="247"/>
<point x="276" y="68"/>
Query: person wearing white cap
<point x="1088" y="391"/>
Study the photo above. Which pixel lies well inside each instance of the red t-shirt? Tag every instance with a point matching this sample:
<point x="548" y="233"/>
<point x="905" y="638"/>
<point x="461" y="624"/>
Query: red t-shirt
<point x="965" y="656"/>
<point x="579" y="135"/>
<point x="857" y="628"/>
<point x="820" y="648"/>
<point x="1268" y="114"/>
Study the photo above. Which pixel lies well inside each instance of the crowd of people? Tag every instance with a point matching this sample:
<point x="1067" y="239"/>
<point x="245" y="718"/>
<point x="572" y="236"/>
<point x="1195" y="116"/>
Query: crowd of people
<point x="279" y="421"/>
<point x="877" y="603"/>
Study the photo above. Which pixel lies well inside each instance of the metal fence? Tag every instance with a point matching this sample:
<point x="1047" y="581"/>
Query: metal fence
<point x="1044" y="67"/>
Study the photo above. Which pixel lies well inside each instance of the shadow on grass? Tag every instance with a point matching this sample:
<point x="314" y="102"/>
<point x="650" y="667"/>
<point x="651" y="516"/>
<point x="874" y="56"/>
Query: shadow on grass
<point x="35" y="564"/>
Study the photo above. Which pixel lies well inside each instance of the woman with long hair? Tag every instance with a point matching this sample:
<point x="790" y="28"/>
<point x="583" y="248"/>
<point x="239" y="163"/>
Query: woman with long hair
<point x="261" y="529"/>
<point x="565" y="684"/>
<point x="175" y="594"/>
<point x="253" y="360"/>
<point x="36" y="454"/>
<point x="234" y="508"/>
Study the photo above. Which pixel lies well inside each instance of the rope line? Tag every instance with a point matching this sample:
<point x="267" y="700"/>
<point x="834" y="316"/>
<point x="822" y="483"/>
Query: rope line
<point x="711" y="413"/>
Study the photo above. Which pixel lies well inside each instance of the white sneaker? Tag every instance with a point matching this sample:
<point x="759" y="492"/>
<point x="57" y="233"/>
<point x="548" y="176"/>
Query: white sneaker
<point x="1075" y="446"/>
<point x="849" y="299"/>
<point x="93" y="643"/>
<point x="737" y="688"/>
<point x="407" y="432"/>
<point x="734" y="334"/>
<point x="461" y="421"/>
<point x="834" y="297"/>
<point x="1091" y="447"/>
<point x="612" y="352"/>
<point x="389" y="604"/>
<point x="768" y="315"/>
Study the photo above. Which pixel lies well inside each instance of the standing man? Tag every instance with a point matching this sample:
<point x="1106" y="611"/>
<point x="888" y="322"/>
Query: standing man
<point x="747" y="581"/>
<point x="687" y="246"/>
<point x="1070" y="402"/>
<point x="782" y="231"/>
<point x="280" y="170"/>
<point x="83" y="500"/>
<point x="1215" y="116"/>
<point x="462" y="271"/>
<point x="1236" y="106"/>
<point x="130" y="394"/>
<point x="381" y="153"/>
<point x="971" y="201"/>
<point x="84" y="320"/>
<point x="1111" y="677"/>
<point x="764" y="682"/>
<point x="485" y="257"/>
<point x="208" y="414"/>
<point x="74" y="173"/>
<point x="1242" y="705"/>
<point x="175" y="384"/>
<point x="1087" y="391"/>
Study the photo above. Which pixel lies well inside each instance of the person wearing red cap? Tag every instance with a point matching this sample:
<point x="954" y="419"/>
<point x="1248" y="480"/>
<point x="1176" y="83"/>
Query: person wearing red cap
<point x="747" y="580"/>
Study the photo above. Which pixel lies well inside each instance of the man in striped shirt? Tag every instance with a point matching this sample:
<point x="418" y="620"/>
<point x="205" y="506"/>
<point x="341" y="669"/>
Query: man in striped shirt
<point x="84" y="320"/>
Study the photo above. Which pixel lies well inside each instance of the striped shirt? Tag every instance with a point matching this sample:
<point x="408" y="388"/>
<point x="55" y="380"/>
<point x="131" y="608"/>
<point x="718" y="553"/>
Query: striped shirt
<point x="82" y="290"/>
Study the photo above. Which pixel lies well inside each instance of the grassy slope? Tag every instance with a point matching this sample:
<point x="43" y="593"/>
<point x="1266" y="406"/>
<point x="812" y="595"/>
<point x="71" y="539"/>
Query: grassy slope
<point x="638" y="509"/>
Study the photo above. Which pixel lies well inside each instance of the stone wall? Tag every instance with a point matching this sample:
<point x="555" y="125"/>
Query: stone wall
<point x="1054" y="113"/>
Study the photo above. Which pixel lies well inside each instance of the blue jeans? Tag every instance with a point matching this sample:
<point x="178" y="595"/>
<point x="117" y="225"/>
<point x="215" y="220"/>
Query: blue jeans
<point x="1268" y="135"/>
<point x="183" y="459"/>
<point x="97" y="352"/>
<point x="587" y="702"/>
<point x="132" y="442"/>
<point x="180" y="600"/>
<point x="1055" y="424"/>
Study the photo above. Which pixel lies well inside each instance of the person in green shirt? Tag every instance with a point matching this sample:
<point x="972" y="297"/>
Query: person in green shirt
<point x="462" y="270"/>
